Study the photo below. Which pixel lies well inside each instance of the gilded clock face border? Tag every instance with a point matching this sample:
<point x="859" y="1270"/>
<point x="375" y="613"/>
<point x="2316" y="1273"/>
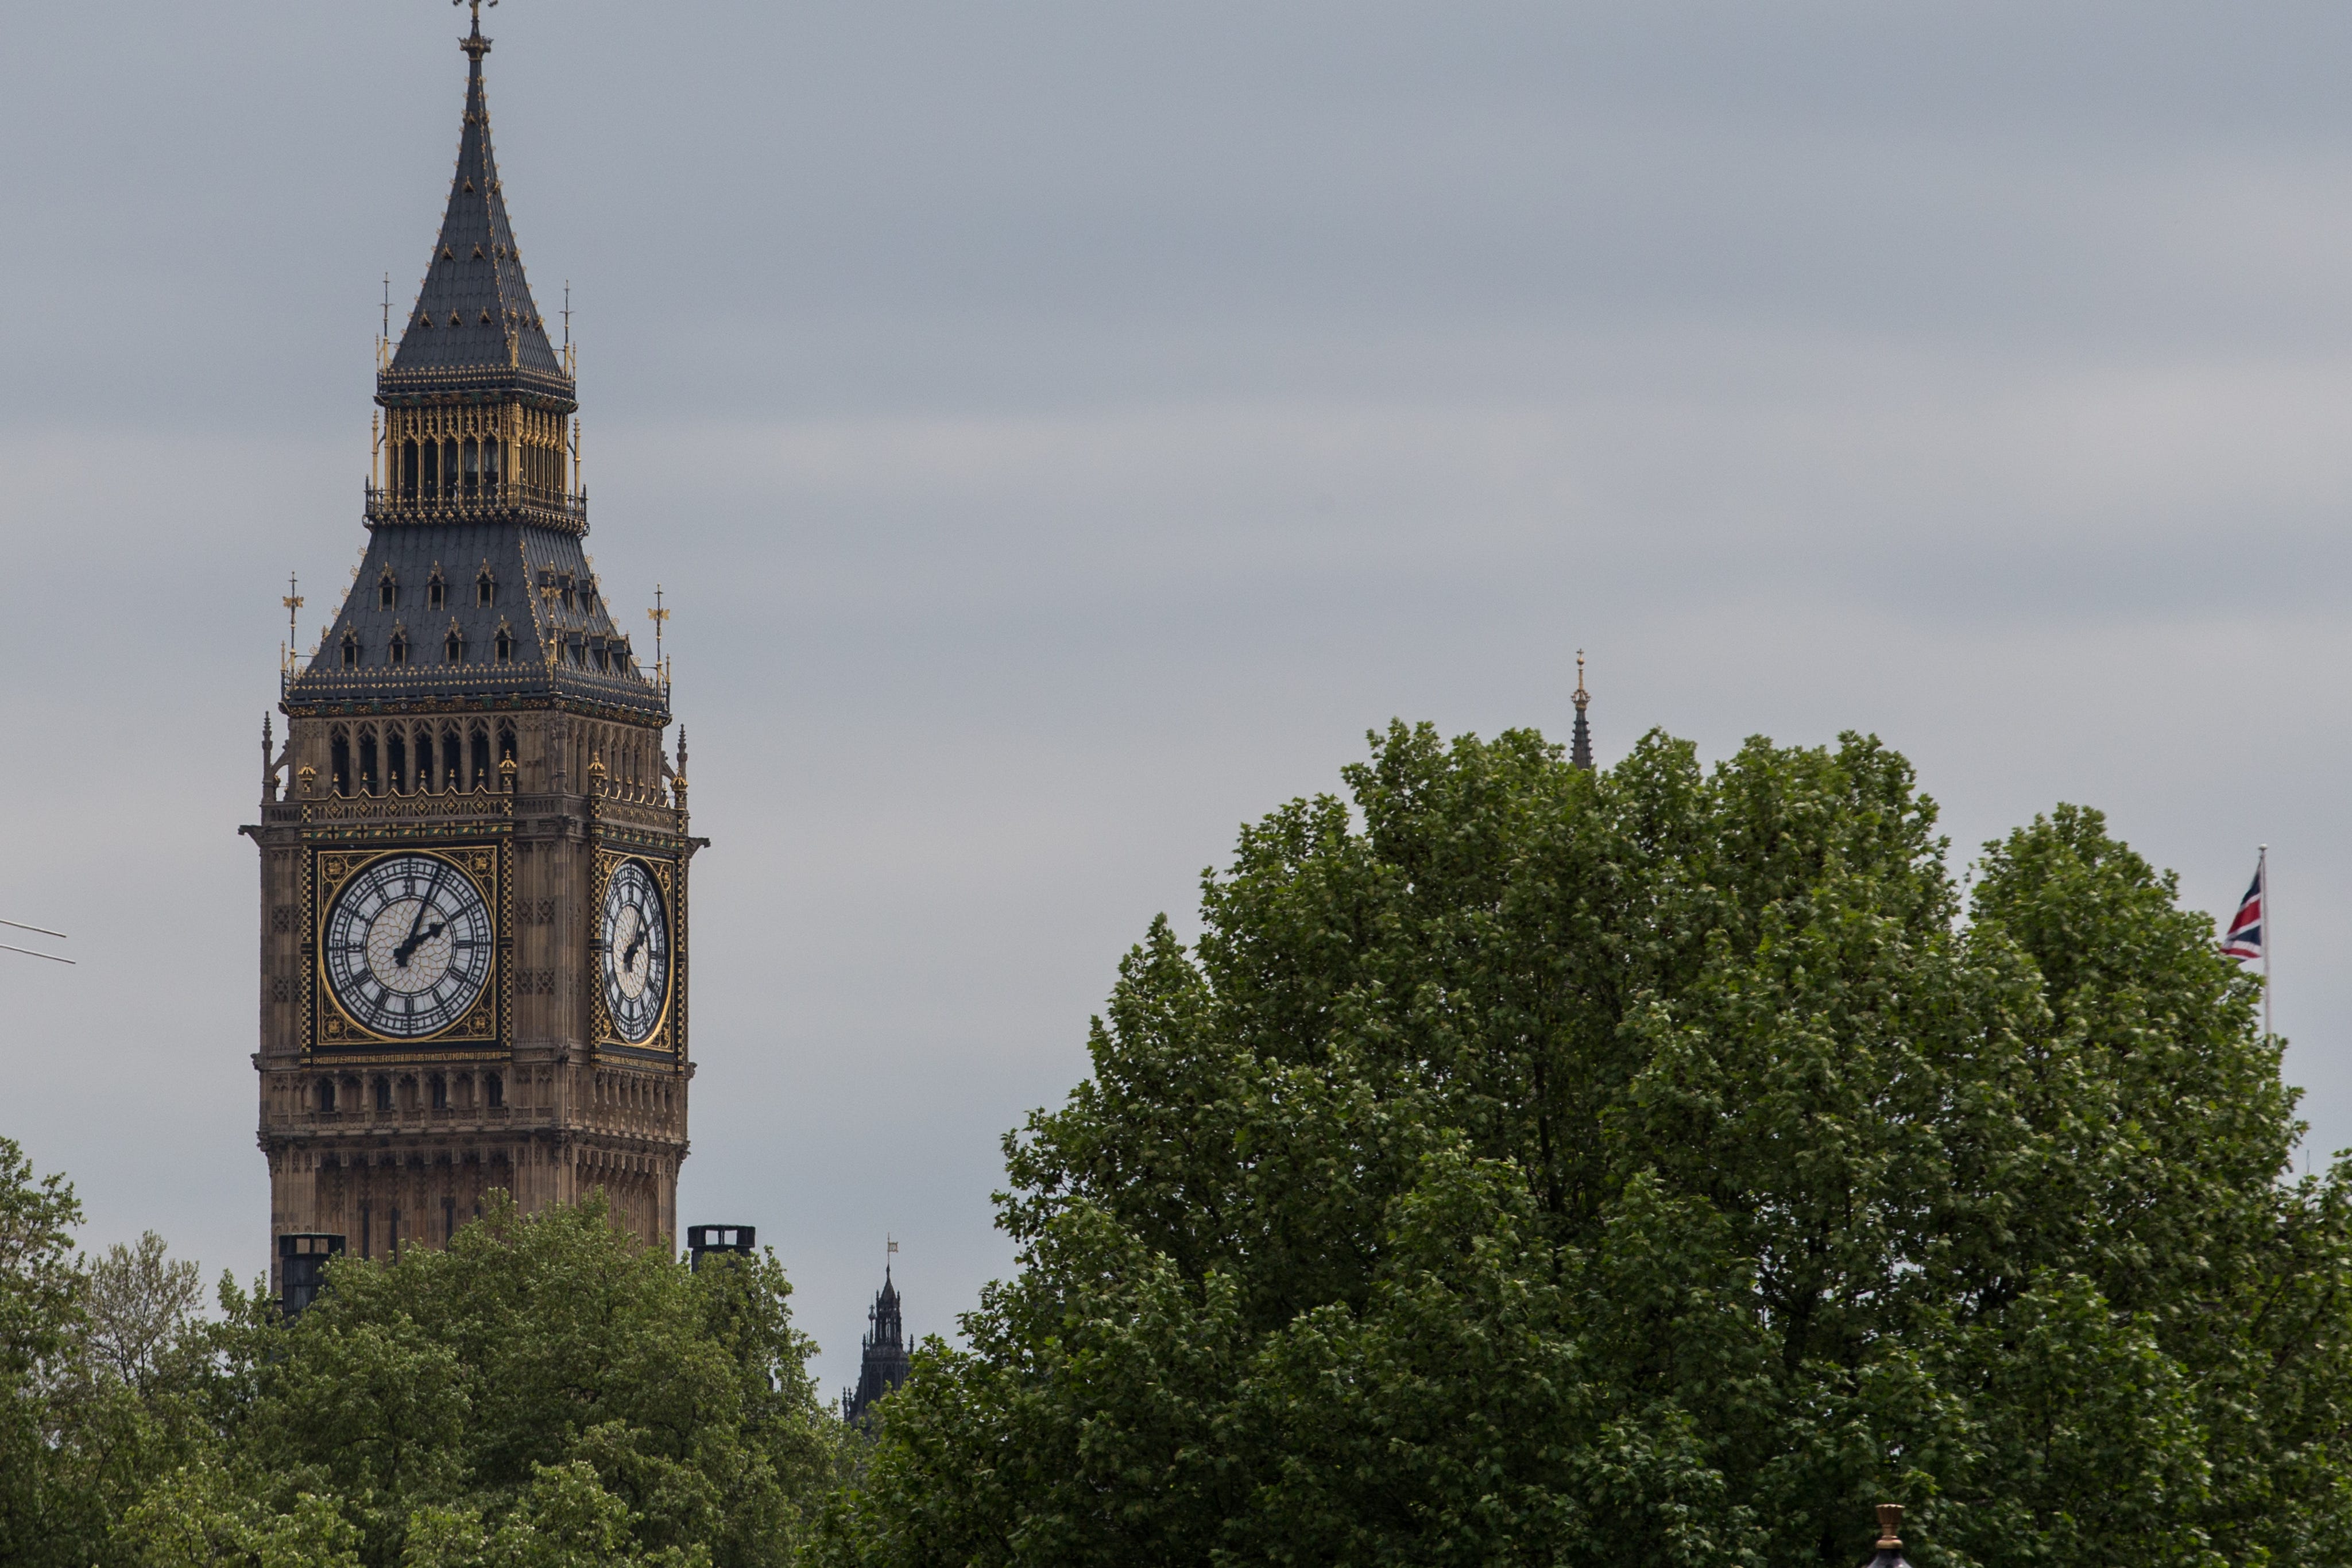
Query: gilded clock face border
<point x="329" y="1033"/>
<point x="666" y="1040"/>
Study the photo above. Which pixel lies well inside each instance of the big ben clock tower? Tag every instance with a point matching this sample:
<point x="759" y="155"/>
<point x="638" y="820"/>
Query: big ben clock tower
<point x="474" y="882"/>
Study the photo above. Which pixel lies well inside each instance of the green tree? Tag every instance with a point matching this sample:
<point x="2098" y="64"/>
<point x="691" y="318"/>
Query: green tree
<point x="1648" y="1166"/>
<point x="140" y="1303"/>
<point x="41" y="1321"/>
<point x="545" y="1392"/>
<point x="197" y="1516"/>
<point x="542" y="1391"/>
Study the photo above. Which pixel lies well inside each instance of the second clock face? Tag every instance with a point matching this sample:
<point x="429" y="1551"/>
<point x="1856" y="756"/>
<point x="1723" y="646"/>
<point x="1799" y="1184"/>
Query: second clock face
<point x="635" y="939"/>
<point x="408" y="946"/>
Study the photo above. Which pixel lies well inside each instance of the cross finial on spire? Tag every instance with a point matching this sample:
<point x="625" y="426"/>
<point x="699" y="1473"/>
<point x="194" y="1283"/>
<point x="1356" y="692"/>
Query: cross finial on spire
<point x="474" y="44"/>
<point x="1581" y="696"/>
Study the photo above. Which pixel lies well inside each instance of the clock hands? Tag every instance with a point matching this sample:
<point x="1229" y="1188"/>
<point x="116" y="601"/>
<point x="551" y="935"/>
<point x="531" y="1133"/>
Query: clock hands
<point x="407" y="950"/>
<point x="417" y="935"/>
<point x="629" y="957"/>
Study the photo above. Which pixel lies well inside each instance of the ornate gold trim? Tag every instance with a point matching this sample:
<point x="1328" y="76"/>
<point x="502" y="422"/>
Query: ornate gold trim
<point x="479" y="803"/>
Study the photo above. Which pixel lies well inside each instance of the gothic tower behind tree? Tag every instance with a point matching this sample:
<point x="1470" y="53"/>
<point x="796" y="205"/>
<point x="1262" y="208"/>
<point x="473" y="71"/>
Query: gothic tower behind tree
<point x="885" y="1360"/>
<point x="474" y="886"/>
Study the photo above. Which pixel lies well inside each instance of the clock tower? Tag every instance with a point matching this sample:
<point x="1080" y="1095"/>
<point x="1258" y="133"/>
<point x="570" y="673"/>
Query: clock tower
<point x="474" y="846"/>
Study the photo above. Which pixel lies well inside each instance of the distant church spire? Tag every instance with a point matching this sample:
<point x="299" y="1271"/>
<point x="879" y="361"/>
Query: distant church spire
<point x="1579" y="753"/>
<point x="885" y="1362"/>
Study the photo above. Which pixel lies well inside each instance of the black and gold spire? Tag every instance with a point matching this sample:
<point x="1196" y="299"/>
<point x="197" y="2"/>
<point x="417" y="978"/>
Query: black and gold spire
<point x="1579" y="753"/>
<point x="475" y="586"/>
<point x="474" y="325"/>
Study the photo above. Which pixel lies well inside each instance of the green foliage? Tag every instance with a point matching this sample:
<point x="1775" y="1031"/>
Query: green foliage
<point x="41" y="1317"/>
<point x="197" y="1516"/>
<point x="546" y="1385"/>
<point x="543" y="1394"/>
<point x="140" y="1303"/>
<point x="1651" y="1166"/>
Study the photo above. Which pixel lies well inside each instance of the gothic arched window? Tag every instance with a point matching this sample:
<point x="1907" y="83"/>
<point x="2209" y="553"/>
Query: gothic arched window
<point x="453" y="649"/>
<point x="504" y="644"/>
<point x="396" y="650"/>
<point x="436" y="590"/>
<point x="387" y="590"/>
<point x="350" y="649"/>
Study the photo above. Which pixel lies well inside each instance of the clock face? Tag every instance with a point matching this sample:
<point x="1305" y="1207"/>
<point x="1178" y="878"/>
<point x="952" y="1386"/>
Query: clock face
<point x="408" y="947"/>
<point x="635" y="940"/>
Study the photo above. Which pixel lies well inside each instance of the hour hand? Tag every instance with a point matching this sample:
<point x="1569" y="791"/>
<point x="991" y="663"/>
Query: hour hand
<point x="406" y="950"/>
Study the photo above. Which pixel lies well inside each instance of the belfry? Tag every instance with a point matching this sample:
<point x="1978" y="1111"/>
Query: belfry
<point x="474" y="845"/>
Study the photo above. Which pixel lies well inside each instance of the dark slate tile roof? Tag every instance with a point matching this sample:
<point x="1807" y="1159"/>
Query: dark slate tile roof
<point x="474" y="324"/>
<point x="523" y="546"/>
<point x="520" y="559"/>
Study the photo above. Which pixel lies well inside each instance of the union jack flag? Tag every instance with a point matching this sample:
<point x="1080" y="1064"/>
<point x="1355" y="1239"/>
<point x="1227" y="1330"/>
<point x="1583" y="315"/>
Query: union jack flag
<point x="2244" y="937"/>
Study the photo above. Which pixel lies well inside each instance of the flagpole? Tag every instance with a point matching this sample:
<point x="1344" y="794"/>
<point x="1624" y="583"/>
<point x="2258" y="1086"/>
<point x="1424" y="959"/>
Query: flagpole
<point x="2263" y="869"/>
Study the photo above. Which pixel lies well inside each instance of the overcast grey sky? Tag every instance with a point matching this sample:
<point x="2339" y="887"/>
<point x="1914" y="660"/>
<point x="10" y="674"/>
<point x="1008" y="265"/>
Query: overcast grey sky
<point x="1062" y="430"/>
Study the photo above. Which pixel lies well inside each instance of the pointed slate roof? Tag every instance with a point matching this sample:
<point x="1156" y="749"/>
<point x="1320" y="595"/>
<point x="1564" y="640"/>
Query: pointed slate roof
<point x="564" y="649"/>
<point x="430" y="650"/>
<point x="474" y="328"/>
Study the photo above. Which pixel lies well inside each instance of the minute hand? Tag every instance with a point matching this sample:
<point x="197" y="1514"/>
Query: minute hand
<point x="417" y="935"/>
